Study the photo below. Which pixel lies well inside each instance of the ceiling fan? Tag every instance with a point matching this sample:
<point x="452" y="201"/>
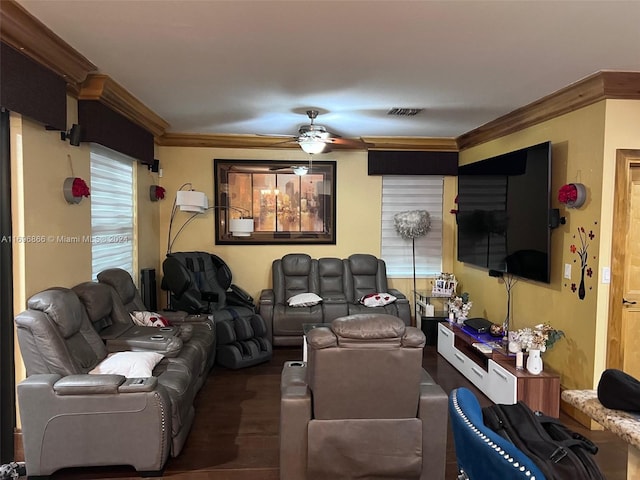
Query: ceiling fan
<point x="314" y="138"/>
<point x="299" y="170"/>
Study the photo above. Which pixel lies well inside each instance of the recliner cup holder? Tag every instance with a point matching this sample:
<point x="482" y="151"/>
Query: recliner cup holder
<point x="157" y="337"/>
<point x="296" y="364"/>
<point x="165" y="329"/>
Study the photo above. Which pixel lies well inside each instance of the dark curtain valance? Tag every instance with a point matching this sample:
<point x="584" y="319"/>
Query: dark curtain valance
<point x="28" y="88"/>
<point x="102" y="125"/>
<point x="385" y="162"/>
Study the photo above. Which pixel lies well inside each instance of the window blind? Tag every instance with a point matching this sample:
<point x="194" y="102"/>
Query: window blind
<point x="112" y="210"/>
<point x="403" y="193"/>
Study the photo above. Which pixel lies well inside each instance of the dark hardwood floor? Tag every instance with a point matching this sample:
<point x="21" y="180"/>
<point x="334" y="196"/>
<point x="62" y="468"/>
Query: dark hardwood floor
<point x="235" y="433"/>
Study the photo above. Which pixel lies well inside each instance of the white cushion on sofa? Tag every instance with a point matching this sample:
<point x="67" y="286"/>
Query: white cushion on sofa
<point x="377" y="299"/>
<point x="304" y="300"/>
<point x="129" y="364"/>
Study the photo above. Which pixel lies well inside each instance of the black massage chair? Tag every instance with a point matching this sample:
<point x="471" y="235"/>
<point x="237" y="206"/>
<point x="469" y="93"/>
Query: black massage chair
<point x="201" y="282"/>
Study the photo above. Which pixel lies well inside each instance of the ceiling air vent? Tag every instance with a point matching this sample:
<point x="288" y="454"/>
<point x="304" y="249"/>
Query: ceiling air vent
<point x="404" y="112"/>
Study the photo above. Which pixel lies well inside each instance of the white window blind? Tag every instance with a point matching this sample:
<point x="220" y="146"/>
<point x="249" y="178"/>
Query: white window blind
<point x="112" y="210"/>
<point x="403" y="193"/>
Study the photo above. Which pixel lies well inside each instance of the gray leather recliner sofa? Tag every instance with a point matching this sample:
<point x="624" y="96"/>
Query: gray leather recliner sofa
<point x="340" y="282"/>
<point x="362" y="406"/>
<point x="71" y="418"/>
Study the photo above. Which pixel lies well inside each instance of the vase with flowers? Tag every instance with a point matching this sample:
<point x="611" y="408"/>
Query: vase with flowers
<point x="460" y="307"/>
<point x="535" y="341"/>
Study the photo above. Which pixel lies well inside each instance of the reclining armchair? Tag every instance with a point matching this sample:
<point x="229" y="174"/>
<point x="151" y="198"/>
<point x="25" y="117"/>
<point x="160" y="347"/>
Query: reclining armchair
<point x="71" y="418"/>
<point x="200" y="328"/>
<point x="293" y="274"/>
<point x="366" y="274"/>
<point x="200" y="282"/>
<point x="362" y="394"/>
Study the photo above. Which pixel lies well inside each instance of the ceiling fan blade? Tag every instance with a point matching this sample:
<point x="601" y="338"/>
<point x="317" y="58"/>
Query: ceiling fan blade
<point x="347" y="142"/>
<point x="276" y="135"/>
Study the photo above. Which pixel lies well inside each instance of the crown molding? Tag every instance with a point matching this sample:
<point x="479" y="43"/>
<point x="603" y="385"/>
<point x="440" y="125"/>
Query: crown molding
<point x="432" y="144"/>
<point x="104" y="89"/>
<point x="25" y="33"/>
<point x="594" y="88"/>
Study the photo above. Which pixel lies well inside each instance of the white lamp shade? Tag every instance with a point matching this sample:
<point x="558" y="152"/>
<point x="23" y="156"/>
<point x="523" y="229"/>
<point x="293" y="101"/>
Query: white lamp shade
<point x="241" y="227"/>
<point x="191" y="201"/>
<point x="312" y="145"/>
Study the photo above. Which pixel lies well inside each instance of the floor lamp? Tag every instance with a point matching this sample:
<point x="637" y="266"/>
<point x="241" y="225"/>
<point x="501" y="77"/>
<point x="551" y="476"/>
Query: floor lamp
<point x="411" y="225"/>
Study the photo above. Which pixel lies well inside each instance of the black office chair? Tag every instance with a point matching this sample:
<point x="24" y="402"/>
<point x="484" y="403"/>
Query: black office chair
<point x="481" y="453"/>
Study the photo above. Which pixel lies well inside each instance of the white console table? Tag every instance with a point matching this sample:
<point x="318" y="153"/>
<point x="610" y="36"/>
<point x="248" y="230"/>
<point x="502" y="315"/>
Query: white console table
<point x="495" y="374"/>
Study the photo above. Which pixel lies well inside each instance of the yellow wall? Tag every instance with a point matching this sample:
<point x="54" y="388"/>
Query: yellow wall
<point x="584" y="144"/>
<point x="357" y="220"/>
<point x="358" y="198"/>
<point x="40" y="164"/>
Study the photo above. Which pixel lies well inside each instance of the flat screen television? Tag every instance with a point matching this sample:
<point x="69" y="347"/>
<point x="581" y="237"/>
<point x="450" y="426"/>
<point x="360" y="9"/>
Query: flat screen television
<point x="504" y="213"/>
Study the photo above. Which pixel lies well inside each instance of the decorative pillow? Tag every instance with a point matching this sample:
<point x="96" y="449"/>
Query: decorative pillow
<point x="149" y="319"/>
<point x="377" y="299"/>
<point x="304" y="300"/>
<point x="129" y="364"/>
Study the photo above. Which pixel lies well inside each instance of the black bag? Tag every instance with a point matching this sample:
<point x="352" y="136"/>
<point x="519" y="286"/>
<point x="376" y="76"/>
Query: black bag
<point x="619" y="391"/>
<point x="559" y="452"/>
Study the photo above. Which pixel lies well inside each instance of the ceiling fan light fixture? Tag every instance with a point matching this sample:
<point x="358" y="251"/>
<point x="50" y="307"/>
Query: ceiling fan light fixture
<point x="301" y="170"/>
<point x="312" y="145"/>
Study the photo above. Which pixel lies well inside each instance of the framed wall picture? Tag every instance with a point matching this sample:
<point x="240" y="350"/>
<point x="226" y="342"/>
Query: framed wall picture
<point x="289" y="202"/>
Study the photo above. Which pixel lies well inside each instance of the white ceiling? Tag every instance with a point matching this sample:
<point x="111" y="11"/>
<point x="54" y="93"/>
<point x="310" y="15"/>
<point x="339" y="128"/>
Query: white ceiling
<point x="241" y="67"/>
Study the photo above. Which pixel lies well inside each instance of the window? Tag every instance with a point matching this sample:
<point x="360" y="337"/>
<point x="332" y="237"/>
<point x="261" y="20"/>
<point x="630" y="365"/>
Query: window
<point x="112" y="211"/>
<point x="403" y="193"/>
<point x="286" y="207"/>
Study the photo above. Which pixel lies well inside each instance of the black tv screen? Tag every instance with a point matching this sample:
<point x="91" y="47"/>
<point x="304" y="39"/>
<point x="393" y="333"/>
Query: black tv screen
<point x="503" y="213"/>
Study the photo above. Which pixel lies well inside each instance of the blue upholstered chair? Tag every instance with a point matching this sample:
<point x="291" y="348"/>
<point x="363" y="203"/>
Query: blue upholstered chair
<point x="481" y="453"/>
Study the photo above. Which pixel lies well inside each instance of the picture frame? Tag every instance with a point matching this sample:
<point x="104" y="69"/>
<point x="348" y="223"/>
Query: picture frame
<point x="286" y="207"/>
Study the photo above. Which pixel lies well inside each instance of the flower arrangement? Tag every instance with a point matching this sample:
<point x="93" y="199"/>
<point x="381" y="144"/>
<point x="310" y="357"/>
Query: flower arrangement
<point x="541" y="337"/>
<point x="156" y="192"/>
<point x="80" y="188"/>
<point x="461" y="305"/>
<point x="74" y="189"/>
<point x="573" y="195"/>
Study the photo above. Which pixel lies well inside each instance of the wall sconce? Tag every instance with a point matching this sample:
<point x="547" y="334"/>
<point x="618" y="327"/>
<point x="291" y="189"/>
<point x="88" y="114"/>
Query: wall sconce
<point x="73" y="135"/>
<point x="573" y="195"/>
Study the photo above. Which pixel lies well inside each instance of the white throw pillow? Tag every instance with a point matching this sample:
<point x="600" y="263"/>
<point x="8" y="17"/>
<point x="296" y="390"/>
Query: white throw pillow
<point x="304" y="300"/>
<point x="377" y="299"/>
<point x="149" y="319"/>
<point x="129" y="364"/>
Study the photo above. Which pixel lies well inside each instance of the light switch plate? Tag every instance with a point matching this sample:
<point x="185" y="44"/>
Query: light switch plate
<point x="606" y="275"/>
<point x="567" y="271"/>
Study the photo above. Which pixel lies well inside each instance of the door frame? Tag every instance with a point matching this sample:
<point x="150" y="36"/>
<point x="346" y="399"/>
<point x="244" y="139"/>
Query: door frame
<point x="625" y="160"/>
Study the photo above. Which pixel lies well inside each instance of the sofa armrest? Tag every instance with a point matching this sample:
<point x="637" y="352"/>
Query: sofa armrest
<point x="88" y="384"/>
<point x="295" y="414"/>
<point x="102" y="384"/>
<point x="62" y="416"/>
<point x="267" y="297"/>
<point x="168" y="345"/>
<point x="397" y="293"/>
<point x="434" y="413"/>
<point x="266" y="304"/>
